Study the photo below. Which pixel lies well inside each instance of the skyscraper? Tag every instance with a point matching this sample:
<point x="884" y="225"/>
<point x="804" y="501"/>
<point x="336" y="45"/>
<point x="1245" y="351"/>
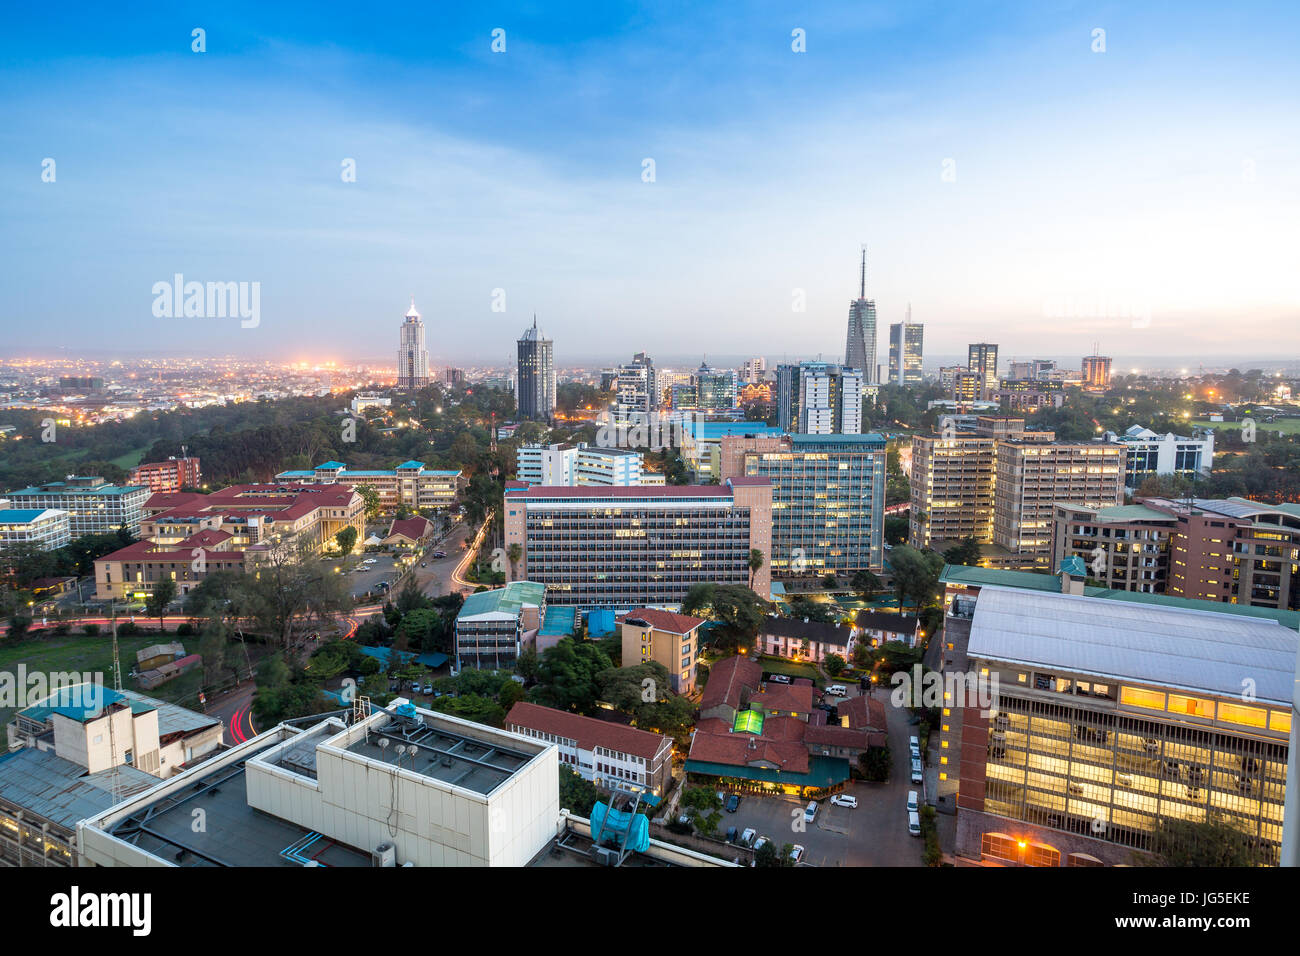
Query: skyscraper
<point x="536" y="391"/>
<point x="1096" y="372"/>
<point x="412" y="359"/>
<point x="982" y="357"/>
<point x="861" y="350"/>
<point x="637" y="388"/>
<point x="905" y="348"/>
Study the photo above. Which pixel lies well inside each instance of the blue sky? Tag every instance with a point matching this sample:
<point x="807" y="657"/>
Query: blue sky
<point x="1145" y="197"/>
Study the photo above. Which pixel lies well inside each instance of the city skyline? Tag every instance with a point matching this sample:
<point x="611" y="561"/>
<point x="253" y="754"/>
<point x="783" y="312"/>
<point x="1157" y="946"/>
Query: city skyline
<point x="1089" y="203"/>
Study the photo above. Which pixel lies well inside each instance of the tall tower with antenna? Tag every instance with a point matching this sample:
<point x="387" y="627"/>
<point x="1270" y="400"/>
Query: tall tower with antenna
<point x="860" y="352"/>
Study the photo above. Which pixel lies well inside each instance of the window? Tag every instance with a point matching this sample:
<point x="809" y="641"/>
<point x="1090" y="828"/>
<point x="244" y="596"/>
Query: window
<point x="1135" y="697"/>
<point x="1191" y="706"/>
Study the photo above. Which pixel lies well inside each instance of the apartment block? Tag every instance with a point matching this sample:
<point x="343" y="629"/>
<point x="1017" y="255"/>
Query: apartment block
<point x="94" y="506"/>
<point x="817" y="398"/>
<point x="170" y="475"/>
<point x="1148" y="454"/>
<point x="46" y="528"/>
<point x="491" y="626"/>
<point x="410" y="484"/>
<point x="639" y="546"/>
<point x="828" y="498"/>
<point x="1031" y="478"/>
<point x="577" y="464"/>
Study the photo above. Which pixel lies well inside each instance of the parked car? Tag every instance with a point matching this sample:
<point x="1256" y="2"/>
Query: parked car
<point x="731" y="834"/>
<point x="747" y="838"/>
<point x="760" y="843"/>
<point x="780" y="678"/>
<point x="810" y="813"/>
<point x="733" y="803"/>
<point x="918" y="775"/>
<point x="428" y="687"/>
<point x="914" y="823"/>
<point x="836" y="690"/>
<point x="913" y="805"/>
<point x="844" y="800"/>
<point x="440" y="554"/>
<point x="684" y="818"/>
<point x="796" y="854"/>
<point x="914" y="743"/>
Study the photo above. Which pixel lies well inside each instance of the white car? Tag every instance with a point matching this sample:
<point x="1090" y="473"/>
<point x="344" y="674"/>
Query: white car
<point x="918" y="775"/>
<point x="796" y="854"/>
<point x="747" y="838"/>
<point x="760" y="843"/>
<point x="836" y="690"/>
<point x="913" y="806"/>
<point x="810" y="813"/>
<point x="844" y="800"/>
<point x="914" y="824"/>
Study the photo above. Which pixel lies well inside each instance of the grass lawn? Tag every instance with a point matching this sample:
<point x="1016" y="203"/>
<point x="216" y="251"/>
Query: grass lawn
<point x="777" y="665"/>
<point x="131" y="458"/>
<point x="94" y="655"/>
<point x="1287" y="426"/>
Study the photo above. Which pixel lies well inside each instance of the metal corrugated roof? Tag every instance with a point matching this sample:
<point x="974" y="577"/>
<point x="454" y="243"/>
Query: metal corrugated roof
<point x="60" y="790"/>
<point x="1197" y="650"/>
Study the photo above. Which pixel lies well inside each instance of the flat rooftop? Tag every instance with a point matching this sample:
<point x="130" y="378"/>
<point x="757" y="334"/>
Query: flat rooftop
<point x="234" y="834"/>
<point x="443" y="754"/>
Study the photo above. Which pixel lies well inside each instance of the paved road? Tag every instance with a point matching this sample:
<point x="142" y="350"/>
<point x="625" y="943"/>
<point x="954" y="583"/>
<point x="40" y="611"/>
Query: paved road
<point x="236" y="712"/>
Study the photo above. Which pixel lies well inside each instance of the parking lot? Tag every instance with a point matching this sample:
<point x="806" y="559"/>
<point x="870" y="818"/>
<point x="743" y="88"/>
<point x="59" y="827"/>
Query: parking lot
<point x="360" y="581"/>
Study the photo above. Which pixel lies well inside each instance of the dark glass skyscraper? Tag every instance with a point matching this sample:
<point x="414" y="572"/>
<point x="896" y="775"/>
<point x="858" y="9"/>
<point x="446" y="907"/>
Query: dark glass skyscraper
<point x="860" y="353"/>
<point x="536" y="383"/>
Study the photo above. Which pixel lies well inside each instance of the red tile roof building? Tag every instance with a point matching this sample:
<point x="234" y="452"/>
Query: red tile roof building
<point x="599" y="751"/>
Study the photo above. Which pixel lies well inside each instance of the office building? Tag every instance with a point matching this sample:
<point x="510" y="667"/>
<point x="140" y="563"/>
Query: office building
<point x="410" y="484"/>
<point x="906" y="347"/>
<point x="1029" y="395"/>
<point x="605" y="753"/>
<point x="1096" y="372"/>
<point x="535" y="394"/>
<point x="715" y="389"/>
<point x="754" y="371"/>
<point x="860" y="350"/>
<point x="454" y="377"/>
<point x="93" y="505"/>
<point x="579" y="464"/>
<point x="968" y="386"/>
<point x="828" y="498"/>
<point x="665" y="638"/>
<point x="492" y="626"/>
<point x="170" y="475"/>
<point x="1110" y="714"/>
<point x="45" y="528"/>
<point x="412" y="358"/>
<point x="701" y="444"/>
<point x="982" y="359"/>
<point x="817" y="398"/>
<point x="367" y="400"/>
<point x="634" y="547"/>
<point x="1148" y="454"/>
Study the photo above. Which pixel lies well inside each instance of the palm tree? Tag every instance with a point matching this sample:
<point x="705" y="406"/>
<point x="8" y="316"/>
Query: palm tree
<point x="755" y="563"/>
<point x="514" y="553"/>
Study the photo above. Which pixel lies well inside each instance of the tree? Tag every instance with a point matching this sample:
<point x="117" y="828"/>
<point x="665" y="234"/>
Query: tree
<point x="289" y="588"/>
<point x="513" y="554"/>
<point x="163" y="593"/>
<point x="916" y="574"/>
<point x="830" y="582"/>
<point x="769" y="855"/>
<point x="1212" y="842"/>
<point x="576" y="794"/>
<point x="866" y="584"/>
<point x="740" y="612"/>
<point x="698" y="598"/>
<point x="755" y="564"/>
<point x="18" y="625"/>
<point x="966" y="552"/>
<point x="346" y="538"/>
<point x="704" y="808"/>
<point x="874" y="763"/>
<point x="834" y="664"/>
<point x="371" y="497"/>
<point x="804" y="608"/>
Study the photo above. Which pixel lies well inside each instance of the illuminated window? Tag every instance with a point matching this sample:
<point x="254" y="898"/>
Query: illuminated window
<point x="1192" y="706"/>
<point x="1135" y="697"/>
<point x="1280" y="720"/>
<point x="1246" y="716"/>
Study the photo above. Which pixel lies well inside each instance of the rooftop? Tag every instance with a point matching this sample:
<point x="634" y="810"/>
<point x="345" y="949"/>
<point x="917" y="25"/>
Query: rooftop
<point x="663" y="620"/>
<point x="1179" y="647"/>
<point x="61" y="791"/>
<point x="587" y="731"/>
<point x="508" y="600"/>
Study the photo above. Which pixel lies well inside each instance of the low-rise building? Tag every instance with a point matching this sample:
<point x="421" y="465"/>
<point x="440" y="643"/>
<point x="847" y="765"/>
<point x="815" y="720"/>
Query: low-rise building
<point x="877" y="628"/>
<point x="803" y="640"/>
<point x="492" y="626"/>
<point x="666" y="638"/>
<point x="409" y="485"/>
<point x="604" y="752"/>
<point x="409" y="532"/>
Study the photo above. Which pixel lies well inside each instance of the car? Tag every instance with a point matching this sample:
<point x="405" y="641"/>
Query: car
<point x="684" y="818"/>
<point x="912" y="804"/>
<point x="731" y="834"/>
<point x="747" y="838"/>
<point x="440" y="554"/>
<point x="918" y="775"/>
<point x="796" y="853"/>
<point x="914" y="823"/>
<point x="760" y="843"/>
<point x="810" y="812"/>
<point x="780" y="678"/>
<point x="915" y="753"/>
<point x="733" y="803"/>
<point x="836" y="690"/>
<point x="844" y="800"/>
<point x="428" y="687"/>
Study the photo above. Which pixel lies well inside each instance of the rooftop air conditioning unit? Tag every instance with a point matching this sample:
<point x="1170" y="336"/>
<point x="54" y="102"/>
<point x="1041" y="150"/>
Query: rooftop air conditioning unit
<point x="606" y="856"/>
<point x="384" y="855"/>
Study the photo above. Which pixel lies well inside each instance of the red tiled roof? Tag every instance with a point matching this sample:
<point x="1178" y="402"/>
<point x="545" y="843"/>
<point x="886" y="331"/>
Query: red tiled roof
<point x="664" y="620"/>
<point x="727" y="678"/>
<point x="148" y="551"/>
<point x="785" y="698"/>
<point x="864" y="713"/>
<point x="619" y="491"/>
<point x="836" y="736"/>
<point x="587" y="731"/>
<point x="742" y="750"/>
<point x="206" y="538"/>
<point x="413" y="528"/>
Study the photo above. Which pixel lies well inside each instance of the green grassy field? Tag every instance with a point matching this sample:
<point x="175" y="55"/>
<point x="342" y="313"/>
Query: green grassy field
<point x="131" y="458"/>
<point x="777" y="665"/>
<point x="1287" y="426"/>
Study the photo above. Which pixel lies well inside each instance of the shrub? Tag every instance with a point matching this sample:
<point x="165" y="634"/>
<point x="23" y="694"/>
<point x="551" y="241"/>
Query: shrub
<point x="127" y="628"/>
<point x="90" y="630"/>
<point x="185" y="630"/>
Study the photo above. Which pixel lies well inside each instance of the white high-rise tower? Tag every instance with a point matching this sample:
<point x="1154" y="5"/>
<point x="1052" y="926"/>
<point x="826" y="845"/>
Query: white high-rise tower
<point x="412" y="359"/>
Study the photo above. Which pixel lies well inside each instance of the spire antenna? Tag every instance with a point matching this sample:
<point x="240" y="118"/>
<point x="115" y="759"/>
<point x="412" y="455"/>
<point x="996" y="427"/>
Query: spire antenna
<point x="863" y="294"/>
